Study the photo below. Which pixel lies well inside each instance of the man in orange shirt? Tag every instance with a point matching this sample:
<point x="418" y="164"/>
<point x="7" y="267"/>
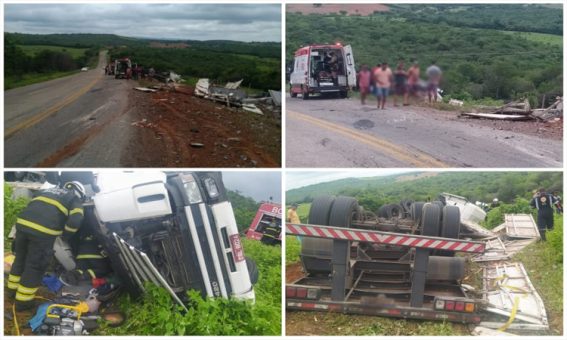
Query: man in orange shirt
<point x="383" y="79"/>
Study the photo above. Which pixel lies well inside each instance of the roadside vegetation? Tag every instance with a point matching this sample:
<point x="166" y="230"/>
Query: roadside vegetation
<point x="479" y="61"/>
<point x="30" y="64"/>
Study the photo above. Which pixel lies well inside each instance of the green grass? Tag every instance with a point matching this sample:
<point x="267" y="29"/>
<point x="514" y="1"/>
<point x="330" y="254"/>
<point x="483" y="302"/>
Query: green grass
<point x="12" y="208"/>
<point x="33" y="50"/>
<point x="544" y="263"/>
<point x="551" y="39"/>
<point x="292" y="249"/>
<point x="33" y="78"/>
<point x="155" y="314"/>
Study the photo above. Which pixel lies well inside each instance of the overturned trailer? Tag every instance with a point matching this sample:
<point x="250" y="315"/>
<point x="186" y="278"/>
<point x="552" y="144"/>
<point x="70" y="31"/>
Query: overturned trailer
<point x="358" y="263"/>
<point x="176" y="230"/>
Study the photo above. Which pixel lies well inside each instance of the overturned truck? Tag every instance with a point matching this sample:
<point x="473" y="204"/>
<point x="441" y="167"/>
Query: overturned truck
<point x="358" y="263"/>
<point x="176" y="230"/>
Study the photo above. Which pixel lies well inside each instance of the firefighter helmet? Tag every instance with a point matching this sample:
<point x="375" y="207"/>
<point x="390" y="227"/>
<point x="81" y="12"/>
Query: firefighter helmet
<point x="77" y="188"/>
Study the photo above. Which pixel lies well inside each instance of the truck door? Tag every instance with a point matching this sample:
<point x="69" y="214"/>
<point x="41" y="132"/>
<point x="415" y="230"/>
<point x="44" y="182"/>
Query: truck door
<point x="351" y="71"/>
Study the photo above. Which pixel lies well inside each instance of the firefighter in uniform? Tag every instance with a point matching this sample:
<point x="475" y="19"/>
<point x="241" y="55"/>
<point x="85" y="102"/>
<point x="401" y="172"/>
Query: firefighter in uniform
<point x="543" y="202"/>
<point x="54" y="212"/>
<point x="271" y="233"/>
<point x="92" y="261"/>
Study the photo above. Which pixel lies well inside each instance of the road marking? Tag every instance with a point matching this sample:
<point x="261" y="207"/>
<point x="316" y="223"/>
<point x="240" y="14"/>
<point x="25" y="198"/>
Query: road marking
<point x="44" y="114"/>
<point x="413" y="157"/>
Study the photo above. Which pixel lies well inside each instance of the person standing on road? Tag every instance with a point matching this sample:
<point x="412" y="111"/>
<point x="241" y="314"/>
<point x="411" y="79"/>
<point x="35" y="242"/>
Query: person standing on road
<point x="400" y="84"/>
<point x="383" y="78"/>
<point x="433" y="79"/>
<point x="364" y="78"/>
<point x="413" y="78"/>
<point x="543" y="202"/>
<point x="54" y="212"/>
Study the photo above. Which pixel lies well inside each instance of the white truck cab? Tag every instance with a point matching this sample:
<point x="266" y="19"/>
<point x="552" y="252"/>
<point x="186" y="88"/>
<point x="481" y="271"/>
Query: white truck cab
<point x="323" y="69"/>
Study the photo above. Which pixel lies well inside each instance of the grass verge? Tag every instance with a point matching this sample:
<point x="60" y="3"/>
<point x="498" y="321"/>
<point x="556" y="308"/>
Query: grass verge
<point x="33" y="78"/>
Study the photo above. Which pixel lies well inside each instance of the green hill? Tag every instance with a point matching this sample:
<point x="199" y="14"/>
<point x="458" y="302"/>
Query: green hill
<point x="373" y="192"/>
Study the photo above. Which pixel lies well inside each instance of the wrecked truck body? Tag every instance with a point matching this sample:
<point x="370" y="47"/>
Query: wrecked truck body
<point x="176" y="230"/>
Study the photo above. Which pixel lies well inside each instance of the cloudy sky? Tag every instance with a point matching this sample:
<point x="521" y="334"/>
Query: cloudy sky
<point x="298" y="179"/>
<point x="242" y="22"/>
<point x="259" y="185"/>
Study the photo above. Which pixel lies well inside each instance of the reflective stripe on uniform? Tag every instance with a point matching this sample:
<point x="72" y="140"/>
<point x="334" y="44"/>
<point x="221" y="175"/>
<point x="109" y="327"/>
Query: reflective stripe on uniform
<point x="39" y="227"/>
<point x="24" y="297"/>
<point x="92" y="273"/>
<point x="54" y="203"/>
<point x="89" y="256"/>
<point x="71" y="230"/>
<point x="13" y="285"/>
<point x="77" y="211"/>
<point x="14" y="278"/>
<point x="26" y="290"/>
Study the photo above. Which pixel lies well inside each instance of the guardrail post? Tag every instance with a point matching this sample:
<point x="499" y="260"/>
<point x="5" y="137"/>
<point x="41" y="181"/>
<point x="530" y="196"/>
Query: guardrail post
<point x="340" y="262"/>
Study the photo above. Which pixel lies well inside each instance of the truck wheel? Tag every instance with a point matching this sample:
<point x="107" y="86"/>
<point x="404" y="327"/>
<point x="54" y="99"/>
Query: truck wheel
<point x="316" y="253"/>
<point x="291" y="93"/>
<point x="416" y="211"/>
<point x="343" y="210"/>
<point x="305" y="95"/>
<point x="252" y="270"/>
<point x="394" y="210"/>
<point x="430" y="220"/>
<point x="450" y="226"/>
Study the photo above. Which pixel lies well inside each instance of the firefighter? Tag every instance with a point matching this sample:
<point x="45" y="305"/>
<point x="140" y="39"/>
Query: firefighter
<point x="543" y="202"/>
<point x="53" y="212"/>
<point x="92" y="261"/>
<point x="271" y="233"/>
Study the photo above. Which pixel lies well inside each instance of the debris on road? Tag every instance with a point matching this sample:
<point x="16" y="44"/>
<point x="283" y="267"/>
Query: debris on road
<point x="145" y="89"/>
<point x="252" y="108"/>
<point x="516" y="111"/>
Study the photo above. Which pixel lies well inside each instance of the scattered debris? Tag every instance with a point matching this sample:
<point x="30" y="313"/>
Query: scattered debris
<point x="144" y="89"/>
<point x="197" y="145"/>
<point x="519" y="110"/>
<point x="456" y="102"/>
<point x="252" y="108"/>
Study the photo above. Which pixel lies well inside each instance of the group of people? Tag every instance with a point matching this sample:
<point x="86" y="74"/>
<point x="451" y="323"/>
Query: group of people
<point x="380" y="81"/>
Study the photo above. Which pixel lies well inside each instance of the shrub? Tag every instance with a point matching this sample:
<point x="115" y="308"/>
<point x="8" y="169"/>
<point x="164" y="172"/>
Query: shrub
<point x="12" y="208"/>
<point x="495" y="217"/>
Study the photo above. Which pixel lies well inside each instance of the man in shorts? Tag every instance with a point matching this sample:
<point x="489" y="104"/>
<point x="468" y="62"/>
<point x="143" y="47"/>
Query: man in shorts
<point x="433" y="79"/>
<point x="383" y="80"/>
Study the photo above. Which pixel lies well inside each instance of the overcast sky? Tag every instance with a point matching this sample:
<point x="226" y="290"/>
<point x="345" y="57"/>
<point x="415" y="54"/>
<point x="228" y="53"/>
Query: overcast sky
<point x="259" y="185"/>
<point x="242" y="22"/>
<point x="298" y="179"/>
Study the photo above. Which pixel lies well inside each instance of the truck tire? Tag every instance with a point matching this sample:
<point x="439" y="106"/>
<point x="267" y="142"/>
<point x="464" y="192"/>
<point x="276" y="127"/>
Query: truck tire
<point x="342" y="212"/>
<point x="291" y="93"/>
<point x="431" y="220"/>
<point x="316" y="253"/>
<point x="450" y="226"/>
<point x="252" y="270"/>
<point x="382" y="211"/>
<point x="416" y="211"/>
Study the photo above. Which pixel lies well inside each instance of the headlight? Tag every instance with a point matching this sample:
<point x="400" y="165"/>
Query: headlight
<point x="212" y="188"/>
<point x="191" y="189"/>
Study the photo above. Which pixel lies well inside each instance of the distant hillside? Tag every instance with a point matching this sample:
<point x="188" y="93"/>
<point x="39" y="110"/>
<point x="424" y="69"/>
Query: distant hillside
<point x="372" y="192"/>
<point x="81" y="40"/>
<point x="349" y="9"/>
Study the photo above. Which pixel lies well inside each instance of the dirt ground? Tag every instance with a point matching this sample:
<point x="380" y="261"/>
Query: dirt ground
<point x="21" y="317"/>
<point x="177" y="129"/>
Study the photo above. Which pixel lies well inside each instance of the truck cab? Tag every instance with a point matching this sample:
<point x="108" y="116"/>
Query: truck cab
<point x="176" y="230"/>
<point x="323" y="69"/>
